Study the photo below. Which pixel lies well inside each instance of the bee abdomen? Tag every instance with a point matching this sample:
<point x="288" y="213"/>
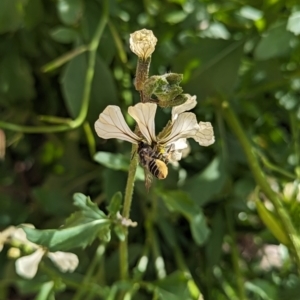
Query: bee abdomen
<point x="158" y="168"/>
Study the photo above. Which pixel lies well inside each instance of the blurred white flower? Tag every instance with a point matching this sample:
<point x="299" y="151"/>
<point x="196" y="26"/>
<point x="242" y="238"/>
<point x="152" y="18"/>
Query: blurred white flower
<point x="272" y="257"/>
<point x="5" y="235"/>
<point x="20" y="237"/>
<point x="27" y="266"/>
<point x="111" y="124"/>
<point x="142" y="43"/>
<point x="65" y="261"/>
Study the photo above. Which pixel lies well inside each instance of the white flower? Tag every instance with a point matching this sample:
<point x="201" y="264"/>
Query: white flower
<point x="27" y="266"/>
<point x="65" y="261"/>
<point x="111" y="124"/>
<point x="142" y="43"/>
<point x="5" y="235"/>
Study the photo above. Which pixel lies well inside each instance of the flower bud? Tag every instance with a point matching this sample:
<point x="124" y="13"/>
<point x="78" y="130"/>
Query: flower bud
<point x="142" y="43"/>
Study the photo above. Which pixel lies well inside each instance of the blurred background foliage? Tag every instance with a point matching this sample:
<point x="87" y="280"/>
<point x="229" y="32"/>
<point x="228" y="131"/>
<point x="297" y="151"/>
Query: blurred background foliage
<point x="210" y="226"/>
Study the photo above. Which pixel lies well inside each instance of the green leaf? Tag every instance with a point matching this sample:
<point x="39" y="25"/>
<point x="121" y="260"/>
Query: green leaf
<point x="167" y="231"/>
<point x="34" y="13"/>
<point x="63" y="35"/>
<point x="173" y="287"/>
<point x="115" y="204"/>
<point x="70" y="11"/>
<point x="11" y="15"/>
<point x="67" y="238"/>
<point x="103" y="91"/>
<point x="72" y="83"/>
<point x="251" y="13"/>
<point x="120" y="232"/>
<point x="113" y="161"/>
<point x="80" y="230"/>
<point x="293" y="24"/>
<point x="204" y="186"/>
<point x="87" y="207"/>
<point x="175" y="17"/>
<point x="216" y="30"/>
<point x="199" y="229"/>
<point x="117" y="162"/>
<point x="262" y="288"/>
<point x="272" y="222"/>
<point x="275" y="43"/>
<point x="213" y="249"/>
<point x="179" y="201"/>
<point x="210" y="67"/>
<point x="16" y="72"/>
<point x="52" y="201"/>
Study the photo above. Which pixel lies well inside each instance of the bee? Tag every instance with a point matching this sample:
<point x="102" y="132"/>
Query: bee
<point x="154" y="161"/>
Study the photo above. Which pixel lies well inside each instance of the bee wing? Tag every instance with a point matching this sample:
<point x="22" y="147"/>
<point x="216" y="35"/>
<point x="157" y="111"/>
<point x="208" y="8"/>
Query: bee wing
<point x="144" y="114"/>
<point x="184" y="126"/>
<point x="205" y="135"/>
<point x="111" y="124"/>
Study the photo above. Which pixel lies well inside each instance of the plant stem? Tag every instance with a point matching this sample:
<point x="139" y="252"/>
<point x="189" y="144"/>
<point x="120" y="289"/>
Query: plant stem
<point x="118" y="42"/>
<point x="56" y="63"/>
<point x="274" y="168"/>
<point x="235" y="257"/>
<point x="193" y="288"/>
<point x="261" y="180"/>
<point x="91" y="67"/>
<point x="72" y="124"/>
<point x="87" y="278"/>
<point x="126" y="212"/>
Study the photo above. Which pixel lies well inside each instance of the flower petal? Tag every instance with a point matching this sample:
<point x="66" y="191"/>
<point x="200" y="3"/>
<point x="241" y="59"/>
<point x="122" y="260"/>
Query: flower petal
<point x="65" y="261"/>
<point x="187" y="105"/>
<point x="144" y="114"/>
<point x="111" y="124"/>
<point x="5" y="235"/>
<point x="27" y="266"/>
<point x="179" y="149"/>
<point x="205" y="134"/>
<point x="20" y="236"/>
<point x="185" y="126"/>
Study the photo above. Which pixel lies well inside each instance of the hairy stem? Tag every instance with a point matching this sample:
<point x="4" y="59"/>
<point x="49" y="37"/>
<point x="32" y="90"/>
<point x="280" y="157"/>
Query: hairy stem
<point x="126" y="212"/>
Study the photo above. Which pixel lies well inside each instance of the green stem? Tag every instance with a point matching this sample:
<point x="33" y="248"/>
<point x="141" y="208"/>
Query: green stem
<point x="90" y="138"/>
<point x="64" y="58"/>
<point x="92" y="267"/>
<point x="118" y="42"/>
<point x="72" y="124"/>
<point x="274" y="168"/>
<point x="295" y="135"/>
<point x="261" y="180"/>
<point x="193" y="288"/>
<point x="142" y="72"/>
<point x="34" y="129"/>
<point x="235" y="257"/>
<point x="91" y="67"/>
<point x="126" y="213"/>
<point x="157" y="256"/>
<point x="70" y="282"/>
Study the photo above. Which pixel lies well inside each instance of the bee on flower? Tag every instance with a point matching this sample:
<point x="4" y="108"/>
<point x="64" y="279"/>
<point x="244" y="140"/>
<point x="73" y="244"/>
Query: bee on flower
<point x="156" y="151"/>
